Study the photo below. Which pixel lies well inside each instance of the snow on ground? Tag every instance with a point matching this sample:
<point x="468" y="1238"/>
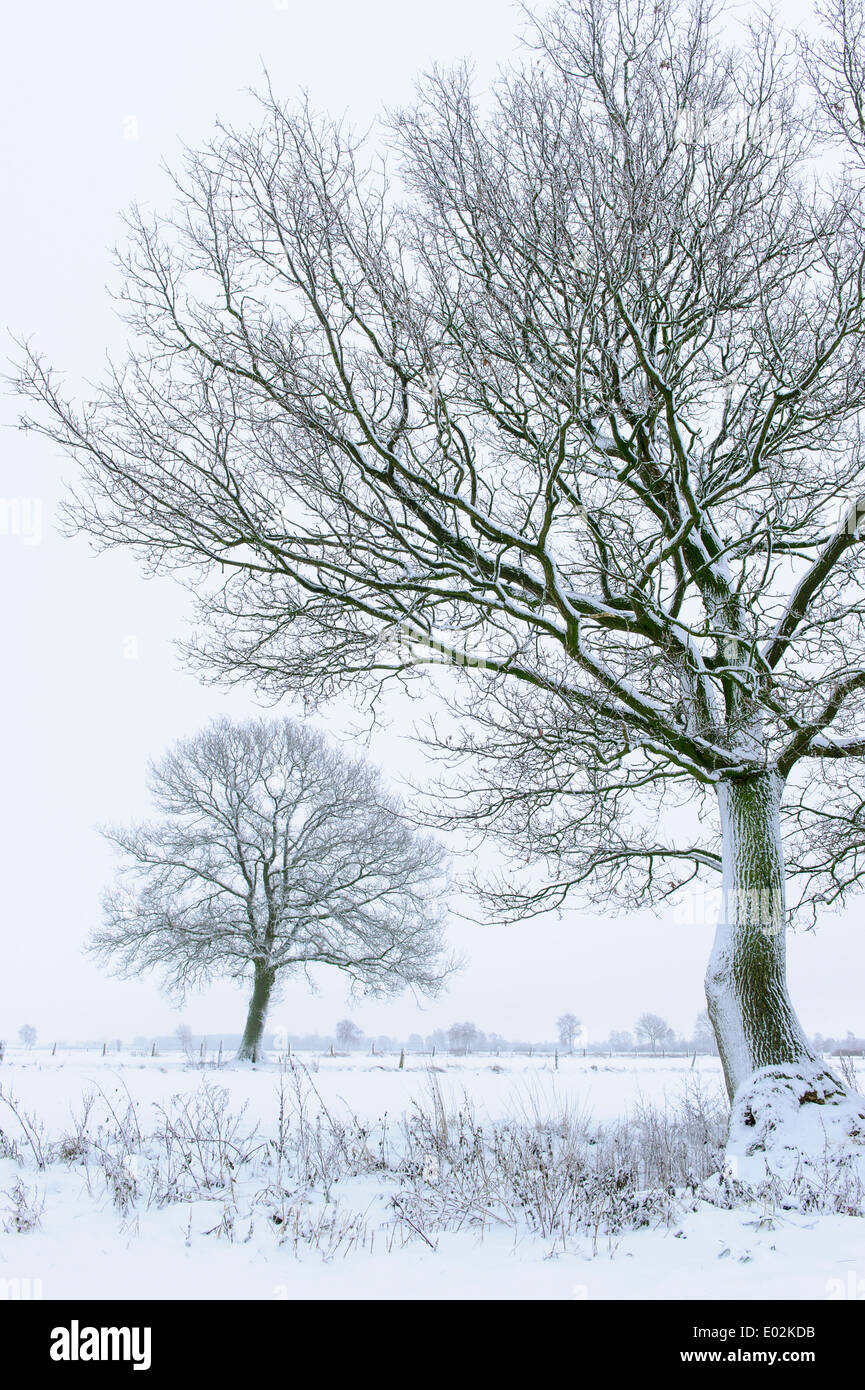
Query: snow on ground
<point x="83" y="1247"/>
<point x="361" y="1084"/>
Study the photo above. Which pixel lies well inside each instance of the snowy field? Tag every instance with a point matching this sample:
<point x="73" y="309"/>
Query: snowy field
<point x="121" y="1177"/>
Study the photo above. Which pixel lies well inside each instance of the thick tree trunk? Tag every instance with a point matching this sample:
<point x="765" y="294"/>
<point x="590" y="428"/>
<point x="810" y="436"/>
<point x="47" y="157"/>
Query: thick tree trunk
<point x="250" y="1047"/>
<point x="746" y="982"/>
<point x="792" y="1121"/>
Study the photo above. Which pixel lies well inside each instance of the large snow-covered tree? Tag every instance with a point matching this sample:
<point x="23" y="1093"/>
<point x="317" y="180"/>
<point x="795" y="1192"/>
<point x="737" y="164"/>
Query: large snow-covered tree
<point x="565" y="393"/>
<point x="273" y="853"/>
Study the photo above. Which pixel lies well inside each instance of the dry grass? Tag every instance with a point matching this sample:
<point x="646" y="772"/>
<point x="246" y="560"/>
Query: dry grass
<point x="551" y="1176"/>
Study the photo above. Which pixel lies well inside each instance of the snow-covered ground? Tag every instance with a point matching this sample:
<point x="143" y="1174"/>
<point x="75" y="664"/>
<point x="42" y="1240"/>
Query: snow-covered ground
<point x="92" y="1241"/>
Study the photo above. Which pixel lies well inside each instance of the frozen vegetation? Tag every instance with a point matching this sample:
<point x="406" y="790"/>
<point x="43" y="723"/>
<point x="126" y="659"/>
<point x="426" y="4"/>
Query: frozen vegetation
<point x="349" y="1176"/>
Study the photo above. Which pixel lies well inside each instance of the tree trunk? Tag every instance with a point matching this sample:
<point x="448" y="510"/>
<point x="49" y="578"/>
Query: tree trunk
<point x="250" y="1047"/>
<point x="746" y="981"/>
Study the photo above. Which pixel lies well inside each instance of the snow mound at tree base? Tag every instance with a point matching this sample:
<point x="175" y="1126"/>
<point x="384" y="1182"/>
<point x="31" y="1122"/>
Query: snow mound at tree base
<point x="797" y="1138"/>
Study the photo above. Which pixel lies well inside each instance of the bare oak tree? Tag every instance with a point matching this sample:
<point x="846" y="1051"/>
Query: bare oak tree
<point x="462" y="1037"/>
<point x="348" y="1034"/>
<point x="652" y="1029"/>
<point x="274" y="853"/>
<point x="570" y="401"/>
<point x="567" y="1028"/>
<point x="703" y="1039"/>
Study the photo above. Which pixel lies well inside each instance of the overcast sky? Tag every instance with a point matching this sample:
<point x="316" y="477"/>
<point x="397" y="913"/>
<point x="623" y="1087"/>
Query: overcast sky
<point x="94" y="97"/>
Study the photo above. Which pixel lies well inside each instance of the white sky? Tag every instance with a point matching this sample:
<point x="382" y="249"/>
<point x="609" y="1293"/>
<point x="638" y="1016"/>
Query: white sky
<point x="94" y="96"/>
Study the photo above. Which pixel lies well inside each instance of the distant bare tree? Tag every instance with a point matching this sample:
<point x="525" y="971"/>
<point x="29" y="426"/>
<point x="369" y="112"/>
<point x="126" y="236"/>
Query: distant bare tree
<point x="348" y="1034"/>
<point x="704" y="1034"/>
<point x="653" y="1029"/>
<point x="567" y="1028"/>
<point x="274" y="853"/>
<point x="621" y="1041"/>
<point x="183" y="1034"/>
<point x="576" y="410"/>
<point x="461" y="1037"/>
<point x="27" y="1034"/>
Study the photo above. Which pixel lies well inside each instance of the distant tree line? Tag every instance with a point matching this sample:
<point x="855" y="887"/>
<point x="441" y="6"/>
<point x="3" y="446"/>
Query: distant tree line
<point x="837" y="1047"/>
<point x="650" y="1034"/>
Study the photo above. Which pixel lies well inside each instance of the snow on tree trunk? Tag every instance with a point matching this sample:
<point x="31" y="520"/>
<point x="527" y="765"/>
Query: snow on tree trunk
<point x="793" y="1123"/>
<point x="250" y="1046"/>
<point x="746" y="982"/>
